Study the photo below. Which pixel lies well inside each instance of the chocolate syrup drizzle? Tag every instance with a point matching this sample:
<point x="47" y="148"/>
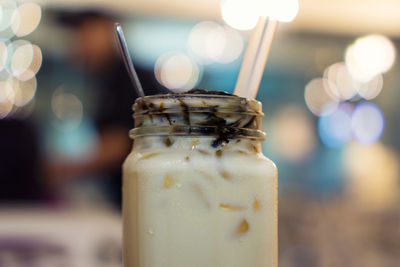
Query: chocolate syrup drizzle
<point x="220" y="127"/>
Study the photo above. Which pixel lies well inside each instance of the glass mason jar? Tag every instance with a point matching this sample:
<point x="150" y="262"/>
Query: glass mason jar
<point x="197" y="191"/>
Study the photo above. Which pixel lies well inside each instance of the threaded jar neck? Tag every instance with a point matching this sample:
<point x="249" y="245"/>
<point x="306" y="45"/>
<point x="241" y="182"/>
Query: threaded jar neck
<point x="226" y="117"/>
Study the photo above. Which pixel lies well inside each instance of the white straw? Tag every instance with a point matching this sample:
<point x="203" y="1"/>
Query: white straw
<point x="256" y="58"/>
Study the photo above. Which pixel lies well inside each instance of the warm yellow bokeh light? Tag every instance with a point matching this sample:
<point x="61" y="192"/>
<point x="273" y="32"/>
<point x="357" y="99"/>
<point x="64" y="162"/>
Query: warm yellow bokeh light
<point x="211" y="42"/>
<point x="293" y="133"/>
<point x="24" y="91"/>
<point x="240" y="14"/>
<point x="202" y="35"/>
<point x="22" y="57"/>
<point x="7" y="97"/>
<point x="215" y="42"/>
<point x="244" y="14"/>
<point x="339" y="83"/>
<point x="317" y="99"/>
<point x="26" y="60"/>
<point x="281" y="10"/>
<point x="26" y="18"/>
<point x="373" y="173"/>
<point x="5" y="108"/>
<point x="369" y="56"/>
<point x="3" y="55"/>
<point x="371" y="89"/>
<point x="233" y="46"/>
<point x="34" y="66"/>
<point x="7" y="92"/>
<point x="19" y="59"/>
<point x="176" y="71"/>
<point x="377" y="50"/>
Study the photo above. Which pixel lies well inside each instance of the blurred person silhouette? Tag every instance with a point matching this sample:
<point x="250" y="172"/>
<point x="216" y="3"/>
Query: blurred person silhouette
<point x="95" y="52"/>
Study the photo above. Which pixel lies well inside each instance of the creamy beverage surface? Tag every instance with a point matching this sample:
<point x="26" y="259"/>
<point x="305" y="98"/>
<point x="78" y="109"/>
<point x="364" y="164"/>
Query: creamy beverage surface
<point x="200" y="194"/>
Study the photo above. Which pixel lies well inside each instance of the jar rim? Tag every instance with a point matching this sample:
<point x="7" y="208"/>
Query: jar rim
<point x="223" y="116"/>
<point x="248" y="106"/>
<point x="183" y="95"/>
<point x="196" y="95"/>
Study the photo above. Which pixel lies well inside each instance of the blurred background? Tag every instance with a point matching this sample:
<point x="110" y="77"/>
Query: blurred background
<point x="330" y="95"/>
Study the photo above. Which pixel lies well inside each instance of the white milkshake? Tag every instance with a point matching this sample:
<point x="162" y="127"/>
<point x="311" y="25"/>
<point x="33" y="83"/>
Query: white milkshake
<point x="197" y="190"/>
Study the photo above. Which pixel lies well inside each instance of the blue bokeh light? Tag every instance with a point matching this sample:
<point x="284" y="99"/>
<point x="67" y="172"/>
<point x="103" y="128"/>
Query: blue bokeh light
<point x="368" y="123"/>
<point x="335" y="129"/>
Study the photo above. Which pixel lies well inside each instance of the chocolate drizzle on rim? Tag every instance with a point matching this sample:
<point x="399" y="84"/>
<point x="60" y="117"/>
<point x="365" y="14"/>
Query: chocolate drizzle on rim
<point x="198" y="113"/>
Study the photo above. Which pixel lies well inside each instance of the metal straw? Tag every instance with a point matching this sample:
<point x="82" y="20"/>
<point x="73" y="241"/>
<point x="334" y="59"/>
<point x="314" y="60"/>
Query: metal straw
<point x="127" y="60"/>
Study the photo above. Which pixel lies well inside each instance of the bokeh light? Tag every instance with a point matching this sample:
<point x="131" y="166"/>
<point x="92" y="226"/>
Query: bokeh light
<point x="3" y="55"/>
<point x="281" y="10"/>
<point x="373" y="173"/>
<point x="197" y="41"/>
<point x="26" y="60"/>
<point x="9" y="54"/>
<point x="15" y="94"/>
<point x="367" y="123"/>
<point x="370" y="56"/>
<point x="19" y="59"/>
<point x="8" y="8"/>
<point x="35" y="65"/>
<point x="335" y="129"/>
<point x="211" y="42"/>
<point x="26" y="18"/>
<point x="68" y="110"/>
<point x="240" y="14"/>
<point x="371" y="89"/>
<point x="176" y="71"/>
<point x="339" y="84"/>
<point x="233" y="46"/>
<point x="6" y="97"/>
<point x="5" y="75"/>
<point x="317" y="99"/>
<point x="25" y="111"/>
<point x="22" y="57"/>
<point x="24" y="91"/>
<point x="292" y="132"/>
<point x="244" y="14"/>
